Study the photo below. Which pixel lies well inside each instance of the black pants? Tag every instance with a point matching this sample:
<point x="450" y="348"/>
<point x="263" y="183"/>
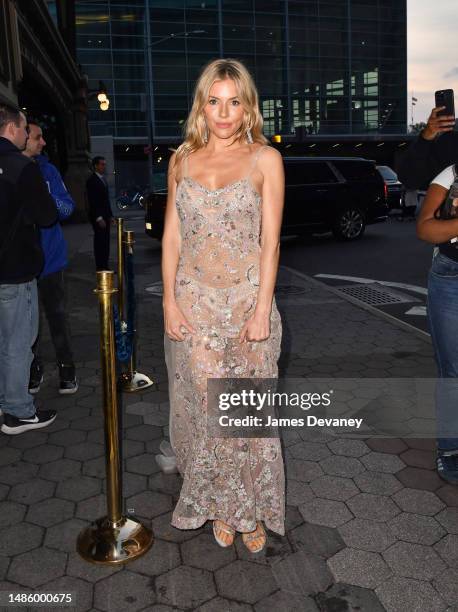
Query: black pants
<point x="102" y="245"/>
<point x="52" y="298"/>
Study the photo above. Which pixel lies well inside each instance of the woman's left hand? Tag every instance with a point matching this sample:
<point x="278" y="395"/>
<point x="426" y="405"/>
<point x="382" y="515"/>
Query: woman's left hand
<point x="256" y="329"/>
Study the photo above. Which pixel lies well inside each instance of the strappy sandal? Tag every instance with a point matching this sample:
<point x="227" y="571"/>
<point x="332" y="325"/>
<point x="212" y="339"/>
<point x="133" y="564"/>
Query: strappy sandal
<point x="250" y="537"/>
<point x="226" y="529"/>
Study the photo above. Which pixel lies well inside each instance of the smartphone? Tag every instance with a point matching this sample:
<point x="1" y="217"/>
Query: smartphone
<point x="445" y="97"/>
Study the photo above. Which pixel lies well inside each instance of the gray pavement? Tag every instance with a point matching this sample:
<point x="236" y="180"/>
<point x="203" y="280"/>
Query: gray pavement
<point x="370" y="526"/>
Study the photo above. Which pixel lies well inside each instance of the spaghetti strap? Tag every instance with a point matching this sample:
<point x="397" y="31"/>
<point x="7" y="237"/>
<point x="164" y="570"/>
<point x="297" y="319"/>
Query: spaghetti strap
<point x="185" y="165"/>
<point x="255" y="159"/>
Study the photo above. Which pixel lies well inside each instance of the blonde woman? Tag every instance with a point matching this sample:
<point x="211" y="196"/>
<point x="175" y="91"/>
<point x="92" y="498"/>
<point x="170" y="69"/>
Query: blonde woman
<point x="219" y="267"/>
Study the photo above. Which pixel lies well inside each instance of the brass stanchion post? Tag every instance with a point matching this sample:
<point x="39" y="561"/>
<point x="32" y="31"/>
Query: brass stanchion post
<point x="112" y="539"/>
<point x="131" y="380"/>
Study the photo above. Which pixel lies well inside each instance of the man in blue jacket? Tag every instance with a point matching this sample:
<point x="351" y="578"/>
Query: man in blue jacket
<point x="51" y="287"/>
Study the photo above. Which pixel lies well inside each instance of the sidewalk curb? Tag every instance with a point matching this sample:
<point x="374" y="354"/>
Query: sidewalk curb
<point x="375" y="311"/>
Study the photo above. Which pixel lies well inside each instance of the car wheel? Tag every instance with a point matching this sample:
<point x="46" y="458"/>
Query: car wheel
<point x="349" y="224"/>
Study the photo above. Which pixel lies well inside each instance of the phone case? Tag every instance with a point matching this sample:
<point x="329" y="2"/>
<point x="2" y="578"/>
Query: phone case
<point x="445" y="97"/>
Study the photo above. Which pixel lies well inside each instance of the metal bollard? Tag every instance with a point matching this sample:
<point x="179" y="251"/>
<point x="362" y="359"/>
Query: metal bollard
<point x="131" y="380"/>
<point x="112" y="539"/>
<point x="120" y="237"/>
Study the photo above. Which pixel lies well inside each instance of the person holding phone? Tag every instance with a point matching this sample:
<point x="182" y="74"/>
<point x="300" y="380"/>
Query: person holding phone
<point x="438" y="225"/>
<point x="436" y="147"/>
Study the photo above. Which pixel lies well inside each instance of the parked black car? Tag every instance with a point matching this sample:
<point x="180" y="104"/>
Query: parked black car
<point x="394" y="186"/>
<point x="338" y="194"/>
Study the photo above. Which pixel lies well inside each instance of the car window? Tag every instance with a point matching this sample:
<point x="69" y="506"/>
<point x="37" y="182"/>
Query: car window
<point x="160" y="180"/>
<point x="160" y="173"/>
<point x="308" y="173"/>
<point x="387" y="173"/>
<point x="355" y="170"/>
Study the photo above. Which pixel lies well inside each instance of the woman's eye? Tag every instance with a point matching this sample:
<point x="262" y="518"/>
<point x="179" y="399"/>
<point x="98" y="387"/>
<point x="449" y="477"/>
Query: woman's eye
<point x="212" y="101"/>
<point x="235" y="102"/>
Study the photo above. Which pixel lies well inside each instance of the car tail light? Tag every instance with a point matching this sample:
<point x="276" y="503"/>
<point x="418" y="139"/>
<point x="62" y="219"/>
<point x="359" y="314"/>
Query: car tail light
<point x="385" y="190"/>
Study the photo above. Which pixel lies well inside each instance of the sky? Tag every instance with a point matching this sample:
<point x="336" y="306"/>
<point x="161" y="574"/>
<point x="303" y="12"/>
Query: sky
<point x="432" y="52"/>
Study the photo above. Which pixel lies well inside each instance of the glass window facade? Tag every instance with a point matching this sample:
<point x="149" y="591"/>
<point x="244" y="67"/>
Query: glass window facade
<point x="321" y="66"/>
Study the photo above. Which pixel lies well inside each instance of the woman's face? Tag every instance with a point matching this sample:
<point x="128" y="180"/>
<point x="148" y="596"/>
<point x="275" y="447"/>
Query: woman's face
<point x="224" y="111"/>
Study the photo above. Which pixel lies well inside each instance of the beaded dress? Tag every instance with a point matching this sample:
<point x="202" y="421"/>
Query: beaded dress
<point x="237" y="480"/>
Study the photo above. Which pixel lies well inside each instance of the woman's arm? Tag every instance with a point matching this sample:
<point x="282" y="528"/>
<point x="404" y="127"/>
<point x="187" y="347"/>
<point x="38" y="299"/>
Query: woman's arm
<point x="270" y="164"/>
<point x="174" y="319"/>
<point x="273" y="194"/>
<point x="171" y="241"/>
<point x="429" y="228"/>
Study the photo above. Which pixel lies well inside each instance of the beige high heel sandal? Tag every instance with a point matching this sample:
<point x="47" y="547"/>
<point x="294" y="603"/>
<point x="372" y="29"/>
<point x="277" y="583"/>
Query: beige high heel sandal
<point x="250" y="537"/>
<point x="224" y="528"/>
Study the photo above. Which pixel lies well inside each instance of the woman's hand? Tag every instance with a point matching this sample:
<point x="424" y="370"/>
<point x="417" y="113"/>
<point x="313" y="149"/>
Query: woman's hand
<point x="438" y="124"/>
<point x="256" y="329"/>
<point x="174" y="320"/>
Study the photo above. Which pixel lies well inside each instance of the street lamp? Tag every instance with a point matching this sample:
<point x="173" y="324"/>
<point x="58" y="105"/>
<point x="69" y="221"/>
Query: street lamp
<point x="100" y="93"/>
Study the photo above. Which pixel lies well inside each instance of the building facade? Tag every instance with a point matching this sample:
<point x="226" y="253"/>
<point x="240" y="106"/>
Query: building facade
<point x="38" y="72"/>
<point x="322" y="67"/>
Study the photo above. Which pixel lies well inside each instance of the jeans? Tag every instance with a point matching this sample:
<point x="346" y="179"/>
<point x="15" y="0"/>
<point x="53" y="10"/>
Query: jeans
<point x="18" y="330"/>
<point x="442" y="310"/>
<point x="51" y="293"/>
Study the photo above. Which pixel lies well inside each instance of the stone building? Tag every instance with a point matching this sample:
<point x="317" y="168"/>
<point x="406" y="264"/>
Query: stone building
<point x="39" y="73"/>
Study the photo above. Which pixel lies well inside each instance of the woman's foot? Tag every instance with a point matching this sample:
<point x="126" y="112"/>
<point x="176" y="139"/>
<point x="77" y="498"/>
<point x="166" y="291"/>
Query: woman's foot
<point x="255" y="540"/>
<point x="167" y="464"/>
<point x="224" y="534"/>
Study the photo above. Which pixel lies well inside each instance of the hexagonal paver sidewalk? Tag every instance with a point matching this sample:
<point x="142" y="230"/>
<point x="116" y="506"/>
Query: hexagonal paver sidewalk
<point x="369" y="526"/>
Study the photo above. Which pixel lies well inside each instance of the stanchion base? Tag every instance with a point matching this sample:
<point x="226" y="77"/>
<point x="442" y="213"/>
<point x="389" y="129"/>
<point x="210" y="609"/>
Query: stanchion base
<point x="135" y="382"/>
<point x="107" y="543"/>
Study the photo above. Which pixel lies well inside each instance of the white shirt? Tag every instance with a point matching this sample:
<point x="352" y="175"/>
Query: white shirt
<point x="102" y="178"/>
<point x="445" y="178"/>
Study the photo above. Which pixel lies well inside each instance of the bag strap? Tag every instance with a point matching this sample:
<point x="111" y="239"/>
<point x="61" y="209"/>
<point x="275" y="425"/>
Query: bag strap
<point x="440" y="210"/>
<point x="455" y="172"/>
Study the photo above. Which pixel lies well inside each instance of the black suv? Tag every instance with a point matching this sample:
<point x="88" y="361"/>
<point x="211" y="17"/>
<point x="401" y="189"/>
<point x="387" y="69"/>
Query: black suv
<point x="338" y="194"/>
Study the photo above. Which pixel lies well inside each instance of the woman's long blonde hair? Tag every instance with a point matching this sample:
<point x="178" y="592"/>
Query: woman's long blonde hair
<point x="195" y="129"/>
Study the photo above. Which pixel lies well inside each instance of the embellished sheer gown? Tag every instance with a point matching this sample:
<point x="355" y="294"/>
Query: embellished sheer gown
<point x="237" y="480"/>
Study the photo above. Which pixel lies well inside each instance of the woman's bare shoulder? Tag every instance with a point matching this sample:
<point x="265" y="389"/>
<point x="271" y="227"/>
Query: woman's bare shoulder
<point x="173" y="162"/>
<point x="269" y="158"/>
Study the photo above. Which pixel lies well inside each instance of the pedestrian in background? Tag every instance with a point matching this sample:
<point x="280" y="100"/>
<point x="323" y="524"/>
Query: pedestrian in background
<point x="435" y="149"/>
<point x="25" y="204"/>
<point x="51" y="284"/>
<point x="100" y="214"/>
<point x="443" y="313"/>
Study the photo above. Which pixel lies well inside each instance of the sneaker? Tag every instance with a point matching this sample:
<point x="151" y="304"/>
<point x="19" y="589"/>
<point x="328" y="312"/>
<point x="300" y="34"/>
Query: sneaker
<point x="447" y="467"/>
<point x="13" y="425"/>
<point x="68" y="383"/>
<point x="36" y="377"/>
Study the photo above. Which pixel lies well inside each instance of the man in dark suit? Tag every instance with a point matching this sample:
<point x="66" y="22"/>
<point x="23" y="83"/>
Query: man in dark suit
<point x="100" y="214"/>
